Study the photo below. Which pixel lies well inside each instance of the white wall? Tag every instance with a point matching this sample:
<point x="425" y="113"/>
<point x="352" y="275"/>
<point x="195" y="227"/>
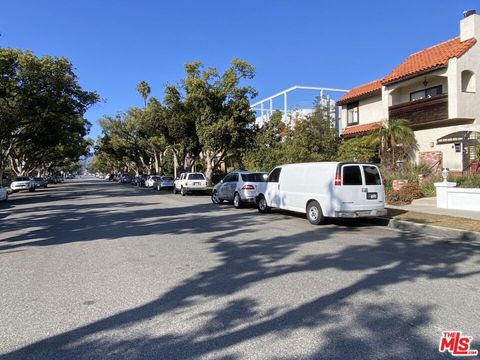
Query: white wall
<point x="450" y="197"/>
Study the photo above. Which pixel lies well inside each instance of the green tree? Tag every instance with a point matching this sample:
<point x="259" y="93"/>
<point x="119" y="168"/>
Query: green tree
<point x="42" y="109"/>
<point x="396" y="141"/>
<point x="265" y="150"/>
<point x="144" y="90"/>
<point x="357" y="149"/>
<point x="221" y="109"/>
<point x="312" y="138"/>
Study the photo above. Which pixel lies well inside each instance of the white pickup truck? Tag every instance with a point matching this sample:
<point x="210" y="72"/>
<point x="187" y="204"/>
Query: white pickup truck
<point x="190" y="182"/>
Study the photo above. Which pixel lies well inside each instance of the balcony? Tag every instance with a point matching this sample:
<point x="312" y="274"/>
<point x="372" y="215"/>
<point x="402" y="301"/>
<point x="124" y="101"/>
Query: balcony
<point x="421" y="113"/>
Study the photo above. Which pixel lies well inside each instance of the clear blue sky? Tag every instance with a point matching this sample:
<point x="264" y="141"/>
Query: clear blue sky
<point x="115" y="44"/>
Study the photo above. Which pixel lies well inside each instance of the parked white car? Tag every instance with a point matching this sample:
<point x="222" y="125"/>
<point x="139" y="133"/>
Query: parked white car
<point x="23" y="183"/>
<point x="190" y="182"/>
<point x="3" y="194"/>
<point x="240" y="187"/>
<point x="328" y="189"/>
<point x="151" y="179"/>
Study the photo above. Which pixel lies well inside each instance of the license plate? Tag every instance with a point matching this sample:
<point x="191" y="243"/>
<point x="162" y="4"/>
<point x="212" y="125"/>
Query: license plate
<point x="196" y="183"/>
<point x="372" y="196"/>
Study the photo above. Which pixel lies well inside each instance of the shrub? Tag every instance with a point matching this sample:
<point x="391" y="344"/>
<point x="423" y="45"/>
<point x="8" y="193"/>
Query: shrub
<point x="357" y="149"/>
<point x="405" y="195"/>
<point x="428" y="187"/>
<point x="472" y="181"/>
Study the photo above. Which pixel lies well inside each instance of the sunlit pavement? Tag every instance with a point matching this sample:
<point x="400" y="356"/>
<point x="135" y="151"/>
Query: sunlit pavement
<point x="93" y="270"/>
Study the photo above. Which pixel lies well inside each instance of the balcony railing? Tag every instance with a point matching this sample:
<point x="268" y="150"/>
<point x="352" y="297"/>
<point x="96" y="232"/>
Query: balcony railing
<point x="421" y="112"/>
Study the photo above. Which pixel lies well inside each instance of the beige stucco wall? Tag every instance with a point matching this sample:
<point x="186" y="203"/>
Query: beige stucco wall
<point x="451" y="159"/>
<point x="467" y="104"/>
<point x="369" y="110"/>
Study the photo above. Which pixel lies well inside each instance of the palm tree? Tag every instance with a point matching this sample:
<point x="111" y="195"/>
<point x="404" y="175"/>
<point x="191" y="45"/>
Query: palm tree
<point x="144" y="90"/>
<point x="396" y="140"/>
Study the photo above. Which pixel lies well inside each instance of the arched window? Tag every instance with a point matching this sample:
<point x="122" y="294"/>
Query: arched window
<point x="468" y="81"/>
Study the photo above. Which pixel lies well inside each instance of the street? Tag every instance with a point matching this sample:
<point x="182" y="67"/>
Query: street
<point x="91" y="270"/>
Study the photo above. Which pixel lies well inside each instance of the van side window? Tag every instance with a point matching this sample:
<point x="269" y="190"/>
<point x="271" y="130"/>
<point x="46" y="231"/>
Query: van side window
<point x="352" y="175"/>
<point x="274" y="175"/>
<point x="372" y="176"/>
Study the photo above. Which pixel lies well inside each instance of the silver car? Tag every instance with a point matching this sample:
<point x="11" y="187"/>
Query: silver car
<point x="164" y="182"/>
<point x="240" y="187"/>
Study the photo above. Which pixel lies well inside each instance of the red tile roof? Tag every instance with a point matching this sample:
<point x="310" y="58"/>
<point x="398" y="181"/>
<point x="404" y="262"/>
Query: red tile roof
<point x="361" y="129"/>
<point x="370" y="88"/>
<point x="429" y="59"/>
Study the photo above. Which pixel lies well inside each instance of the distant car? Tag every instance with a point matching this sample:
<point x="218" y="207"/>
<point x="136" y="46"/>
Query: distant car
<point x="125" y="179"/>
<point x="151" y="179"/>
<point x="139" y="180"/>
<point x="40" y="182"/>
<point x="164" y="183"/>
<point x="240" y="187"/>
<point x="23" y="183"/>
<point x="190" y="182"/>
<point x="3" y="194"/>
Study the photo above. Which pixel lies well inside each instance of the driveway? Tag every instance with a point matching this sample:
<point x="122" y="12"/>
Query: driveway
<point x="93" y="270"/>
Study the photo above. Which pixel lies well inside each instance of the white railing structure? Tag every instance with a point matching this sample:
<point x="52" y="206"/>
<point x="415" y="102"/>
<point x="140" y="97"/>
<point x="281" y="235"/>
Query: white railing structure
<point x="266" y="109"/>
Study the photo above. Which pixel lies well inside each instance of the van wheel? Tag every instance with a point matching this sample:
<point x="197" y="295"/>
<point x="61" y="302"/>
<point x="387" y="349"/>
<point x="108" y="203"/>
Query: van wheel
<point x="182" y="191"/>
<point x="314" y="213"/>
<point x="262" y="206"/>
<point x="215" y="198"/>
<point x="237" y="201"/>
<point x="174" y="190"/>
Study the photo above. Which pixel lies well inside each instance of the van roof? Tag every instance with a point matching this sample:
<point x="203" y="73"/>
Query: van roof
<point x="333" y="163"/>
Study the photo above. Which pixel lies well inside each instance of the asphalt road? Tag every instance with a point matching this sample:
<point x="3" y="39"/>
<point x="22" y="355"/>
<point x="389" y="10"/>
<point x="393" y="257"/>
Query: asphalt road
<point x="97" y="270"/>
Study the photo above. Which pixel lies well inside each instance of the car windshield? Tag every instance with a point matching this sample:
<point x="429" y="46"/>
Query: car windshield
<point x="196" y="177"/>
<point x="167" y="178"/>
<point x="255" y="177"/>
<point x="22" y="178"/>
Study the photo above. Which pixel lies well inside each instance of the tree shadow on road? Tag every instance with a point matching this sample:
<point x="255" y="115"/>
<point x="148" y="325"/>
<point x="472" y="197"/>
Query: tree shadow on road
<point x="348" y="319"/>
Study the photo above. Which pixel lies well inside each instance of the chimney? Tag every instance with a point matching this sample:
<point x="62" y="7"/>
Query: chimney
<point x="470" y="25"/>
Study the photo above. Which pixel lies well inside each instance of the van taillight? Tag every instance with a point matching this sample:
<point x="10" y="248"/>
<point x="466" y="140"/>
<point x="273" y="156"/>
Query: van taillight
<point x="338" y="179"/>
<point x="248" y="187"/>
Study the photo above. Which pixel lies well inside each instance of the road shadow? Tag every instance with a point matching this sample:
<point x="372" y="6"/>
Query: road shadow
<point x="347" y="327"/>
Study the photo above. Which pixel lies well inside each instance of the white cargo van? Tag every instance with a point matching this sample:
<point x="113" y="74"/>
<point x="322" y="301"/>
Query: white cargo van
<point x="325" y="189"/>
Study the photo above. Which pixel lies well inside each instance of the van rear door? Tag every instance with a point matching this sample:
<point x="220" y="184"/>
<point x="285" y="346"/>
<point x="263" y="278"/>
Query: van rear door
<point x="361" y="187"/>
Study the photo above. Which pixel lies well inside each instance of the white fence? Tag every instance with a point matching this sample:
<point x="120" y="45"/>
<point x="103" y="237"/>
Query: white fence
<point x="451" y="197"/>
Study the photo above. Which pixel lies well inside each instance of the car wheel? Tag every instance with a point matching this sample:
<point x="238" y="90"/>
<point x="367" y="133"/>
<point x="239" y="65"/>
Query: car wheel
<point x="314" y="213"/>
<point x="182" y="191"/>
<point x="262" y="206"/>
<point x="174" y="190"/>
<point x="32" y="189"/>
<point x="215" y="199"/>
<point x="237" y="201"/>
<point x="159" y="188"/>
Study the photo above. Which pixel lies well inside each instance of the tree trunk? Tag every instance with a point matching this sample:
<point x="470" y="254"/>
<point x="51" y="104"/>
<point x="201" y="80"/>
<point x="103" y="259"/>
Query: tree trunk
<point x="209" y="167"/>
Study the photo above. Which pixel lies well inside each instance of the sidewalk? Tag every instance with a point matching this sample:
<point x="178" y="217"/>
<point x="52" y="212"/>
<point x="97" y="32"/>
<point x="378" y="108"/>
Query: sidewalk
<point x="422" y="216"/>
<point x="429" y="206"/>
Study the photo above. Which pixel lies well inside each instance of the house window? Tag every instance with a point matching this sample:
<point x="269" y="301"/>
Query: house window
<point x="427" y="93"/>
<point x="468" y="81"/>
<point x="352" y="113"/>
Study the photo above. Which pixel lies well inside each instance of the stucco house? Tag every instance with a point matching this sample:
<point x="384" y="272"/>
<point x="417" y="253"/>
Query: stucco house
<point x="435" y="90"/>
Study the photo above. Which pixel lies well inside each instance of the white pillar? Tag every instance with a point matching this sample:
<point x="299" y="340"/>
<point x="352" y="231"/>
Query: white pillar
<point x="442" y="193"/>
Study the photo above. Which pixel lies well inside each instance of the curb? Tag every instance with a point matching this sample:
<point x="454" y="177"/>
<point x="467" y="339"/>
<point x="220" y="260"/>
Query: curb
<point x="433" y="230"/>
